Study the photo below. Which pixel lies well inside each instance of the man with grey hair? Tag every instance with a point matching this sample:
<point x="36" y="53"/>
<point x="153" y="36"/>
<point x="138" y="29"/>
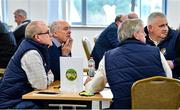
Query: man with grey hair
<point x="129" y="62"/>
<point x="168" y="40"/>
<point x="20" y="16"/>
<point x="28" y="69"/>
<point x="62" y="45"/>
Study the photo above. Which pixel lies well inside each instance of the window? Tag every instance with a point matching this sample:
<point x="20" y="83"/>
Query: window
<point x="103" y="12"/>
<point x="0" y="10"/>
<point x="3" y="10"/>
<point x="145" y="7"/>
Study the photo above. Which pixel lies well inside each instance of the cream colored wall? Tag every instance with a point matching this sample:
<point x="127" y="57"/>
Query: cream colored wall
<point x="77" y="35"/>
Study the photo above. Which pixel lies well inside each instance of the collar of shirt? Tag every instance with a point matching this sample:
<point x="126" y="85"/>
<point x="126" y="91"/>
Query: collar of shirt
<point x="56" y="42"/>
<point x="156" y="43"/>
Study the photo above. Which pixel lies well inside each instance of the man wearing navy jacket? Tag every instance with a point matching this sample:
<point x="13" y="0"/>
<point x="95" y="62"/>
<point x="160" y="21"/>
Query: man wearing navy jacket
<point x="168" y="40"/>
<point x="62" y="44"/>
<point x="107" y="40"/>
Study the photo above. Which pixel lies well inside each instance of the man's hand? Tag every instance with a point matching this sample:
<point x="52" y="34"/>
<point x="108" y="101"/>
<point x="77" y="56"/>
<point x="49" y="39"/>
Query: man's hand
<point x="66" y="49"/>
<point x="87" y="80"/>
<point x="170" y="63"/>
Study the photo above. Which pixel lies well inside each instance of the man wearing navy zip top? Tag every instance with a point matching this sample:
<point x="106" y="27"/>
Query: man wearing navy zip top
<point x="168" y="40"/>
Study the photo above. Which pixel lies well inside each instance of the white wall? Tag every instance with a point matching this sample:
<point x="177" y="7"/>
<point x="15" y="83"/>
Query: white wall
<point x="77" y="34"/>
<point x="37" y="10"/>
<point x="173" y="13"/>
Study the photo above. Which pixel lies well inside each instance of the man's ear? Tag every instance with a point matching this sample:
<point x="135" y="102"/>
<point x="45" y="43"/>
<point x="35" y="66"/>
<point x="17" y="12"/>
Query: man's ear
<point x="36" y="37"/>
<point x="54" y="34"/>
<point x="149" y="27"/>
<point x="135" y="34"/>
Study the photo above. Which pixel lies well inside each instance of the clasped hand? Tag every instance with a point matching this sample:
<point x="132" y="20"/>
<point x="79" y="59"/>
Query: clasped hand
<point x="66" y="49"/>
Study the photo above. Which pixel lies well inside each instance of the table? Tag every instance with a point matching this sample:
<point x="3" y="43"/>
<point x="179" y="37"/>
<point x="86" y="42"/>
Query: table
<point x="65" y="98"/>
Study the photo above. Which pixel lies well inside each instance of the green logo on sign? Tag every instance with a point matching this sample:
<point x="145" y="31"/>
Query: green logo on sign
<point x="71" y="74"/>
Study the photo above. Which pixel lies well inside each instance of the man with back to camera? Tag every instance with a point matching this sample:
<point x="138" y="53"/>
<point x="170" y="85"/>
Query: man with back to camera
<point x="28" y="69"/>
<point x="7" y="45"/>
<point x="20" y="16"/>
<point x="107" y="40"/>
<point x="168" y="40"/>
<point x="62" y="45"/>
<point x="127" y="63"/>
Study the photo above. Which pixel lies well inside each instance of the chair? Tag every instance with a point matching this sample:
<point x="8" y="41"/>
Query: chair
<point x="87" y="47"/>
<point x="156" y="93"/>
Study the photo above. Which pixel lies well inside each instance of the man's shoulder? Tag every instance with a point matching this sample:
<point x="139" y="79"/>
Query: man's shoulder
<point x="53" y="50"/>
<point x="22" y="26"/>
<point x="110" y="29"/>
<point x="112" y="26"/>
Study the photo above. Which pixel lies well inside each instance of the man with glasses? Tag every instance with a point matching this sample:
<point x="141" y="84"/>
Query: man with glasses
<point x="62" y="45"/>
<point x="28" y="68"/>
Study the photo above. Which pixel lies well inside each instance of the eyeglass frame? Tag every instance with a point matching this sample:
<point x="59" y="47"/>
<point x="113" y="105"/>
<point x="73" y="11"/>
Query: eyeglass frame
<point x="43" y="33"/>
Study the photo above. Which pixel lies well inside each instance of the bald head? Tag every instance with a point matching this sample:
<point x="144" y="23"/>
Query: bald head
<point x="132" y="15"/>
<point x="34" y="28"/>
<point x="120" y="18"/>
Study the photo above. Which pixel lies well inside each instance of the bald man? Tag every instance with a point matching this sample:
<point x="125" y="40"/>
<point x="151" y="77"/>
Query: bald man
<point x="132" y="15"/>
<point x="62" y="44"/>
<point x="28" y="69"/>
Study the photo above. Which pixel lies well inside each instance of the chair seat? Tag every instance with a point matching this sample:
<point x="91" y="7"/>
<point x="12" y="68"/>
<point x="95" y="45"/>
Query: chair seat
<point x="156" y="93"/>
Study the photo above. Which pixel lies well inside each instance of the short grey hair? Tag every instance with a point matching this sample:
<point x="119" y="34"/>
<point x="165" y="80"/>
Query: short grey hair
<point x="20" y="12"/>
<point x="153" y="17"/>
<point x="32" y="29"/>
<point x="55" y="26"/>
<point x="128" y="27"/>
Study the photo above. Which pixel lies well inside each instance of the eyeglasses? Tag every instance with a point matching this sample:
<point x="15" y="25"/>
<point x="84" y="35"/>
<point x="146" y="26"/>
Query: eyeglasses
<point x="42" y="33"/>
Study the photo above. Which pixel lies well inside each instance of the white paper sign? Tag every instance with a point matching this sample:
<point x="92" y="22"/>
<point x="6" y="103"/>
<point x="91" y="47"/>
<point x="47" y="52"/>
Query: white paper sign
<point x="71" y="71"/>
